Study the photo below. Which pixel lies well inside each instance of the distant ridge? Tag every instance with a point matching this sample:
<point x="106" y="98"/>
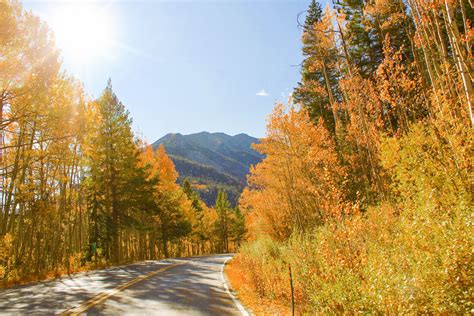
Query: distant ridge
<point x="212" y="161"/>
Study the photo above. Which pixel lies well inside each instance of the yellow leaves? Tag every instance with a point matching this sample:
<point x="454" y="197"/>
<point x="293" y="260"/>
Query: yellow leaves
<point x="28" y="54"/>
<point x="389" y="14"/>
<point x="398" y="85"/>
<point x="319" y="42"/>
<point x="159" y="165"/>
<point x="6" y="243"/>
<point x="166" y="170"/>
<point x="378" y="261"/>
<point x="391" y="148"/>
<point x="199" y="186"/>
<point x="147" y="159"/>
<point x="400" y="141"/>
<point x="295" y="186"/>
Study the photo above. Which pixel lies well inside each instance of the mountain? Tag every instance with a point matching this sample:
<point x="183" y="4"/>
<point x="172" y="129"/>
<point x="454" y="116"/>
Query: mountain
<point x="212" y="161"/>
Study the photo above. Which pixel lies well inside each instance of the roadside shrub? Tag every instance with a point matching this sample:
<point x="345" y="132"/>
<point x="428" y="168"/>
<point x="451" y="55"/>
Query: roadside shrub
<point x="6" y="261"/>
<point x="412" y="253"/>
<point x="383" y="261"/>
<point x="264" y="263"/>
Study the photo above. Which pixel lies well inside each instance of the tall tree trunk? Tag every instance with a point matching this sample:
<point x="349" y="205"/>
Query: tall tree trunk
<point x="459" y="57"/>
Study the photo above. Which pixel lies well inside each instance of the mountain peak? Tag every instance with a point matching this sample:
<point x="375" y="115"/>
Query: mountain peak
<point x="212" y="160"/>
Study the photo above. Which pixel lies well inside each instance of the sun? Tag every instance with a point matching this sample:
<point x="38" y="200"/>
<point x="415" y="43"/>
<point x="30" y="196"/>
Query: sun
<point x="83" y="31"/>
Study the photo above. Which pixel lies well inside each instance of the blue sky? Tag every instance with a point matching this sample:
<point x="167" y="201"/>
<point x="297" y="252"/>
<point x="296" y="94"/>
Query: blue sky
<point x="189" y="66"/>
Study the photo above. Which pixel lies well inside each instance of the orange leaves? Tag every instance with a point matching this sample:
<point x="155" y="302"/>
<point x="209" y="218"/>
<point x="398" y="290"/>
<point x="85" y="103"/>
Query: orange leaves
<point x="296" y="185"/>
<point x="394" y="73"/>
<point x="401" y="155"/>
<point x="147" y="159"/>
<point x="166" y="169"/>
<point x="159" y="165"/>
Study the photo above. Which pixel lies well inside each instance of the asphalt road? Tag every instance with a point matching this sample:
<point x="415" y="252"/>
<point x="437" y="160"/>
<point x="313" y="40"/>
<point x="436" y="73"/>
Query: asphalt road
<point x="187" y="286"/>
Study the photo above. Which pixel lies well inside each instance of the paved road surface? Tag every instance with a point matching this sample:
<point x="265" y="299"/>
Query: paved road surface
<point x="188" y="286"/>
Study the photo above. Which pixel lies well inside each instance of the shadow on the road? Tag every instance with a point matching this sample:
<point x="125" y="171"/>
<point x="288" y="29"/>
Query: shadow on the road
<point x="192" y="288"/>
<point x="57" y="295"/>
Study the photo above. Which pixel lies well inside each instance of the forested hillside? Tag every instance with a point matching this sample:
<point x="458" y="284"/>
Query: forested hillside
<point x="78" y="189"/>
<point x="366" y="188"/>
<point x="361" y="188"/>
<point x="212" y="161"/>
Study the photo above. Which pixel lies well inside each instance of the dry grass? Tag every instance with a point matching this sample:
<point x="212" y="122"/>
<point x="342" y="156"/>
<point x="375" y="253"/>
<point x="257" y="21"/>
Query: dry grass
<point x="51" y="275"/>
<point x="249" y="298"/>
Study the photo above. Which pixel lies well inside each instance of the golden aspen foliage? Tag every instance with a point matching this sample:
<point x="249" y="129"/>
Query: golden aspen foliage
<point x="166" y="170"/>
<point x="76" y="191"/>
<point x="318" y="90"/>
<point x="386" y="204"/>
<point x="296" y="186"/>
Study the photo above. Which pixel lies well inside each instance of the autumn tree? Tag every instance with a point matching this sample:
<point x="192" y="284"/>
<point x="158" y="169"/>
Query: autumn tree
<point x="318" y="91"/>
<point x="172" y="219"/>
<point x="77" y="189"/>
<point x="198" y="228"/>
<point x="444" y="33"/>
<point x="297" y="186"/>
<point x="364" y="43"/>
<point x="238" y="229"/>
<point x="41" y="114"/>
<point x="363" y="210"/>
<point x="223" y="223"/>
<point x="313" y="15"/>
<point x="112" y="158"/>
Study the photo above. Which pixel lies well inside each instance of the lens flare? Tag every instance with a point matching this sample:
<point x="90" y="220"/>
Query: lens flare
<point x="83" y="32"/>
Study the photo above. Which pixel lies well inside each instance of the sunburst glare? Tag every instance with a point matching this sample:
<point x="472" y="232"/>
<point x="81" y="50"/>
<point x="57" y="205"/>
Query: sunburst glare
<point x="84" y="32"/>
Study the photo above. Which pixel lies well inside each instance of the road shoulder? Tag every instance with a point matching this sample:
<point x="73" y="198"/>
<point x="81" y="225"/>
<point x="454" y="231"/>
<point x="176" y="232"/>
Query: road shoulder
<point x="249" y="298"/>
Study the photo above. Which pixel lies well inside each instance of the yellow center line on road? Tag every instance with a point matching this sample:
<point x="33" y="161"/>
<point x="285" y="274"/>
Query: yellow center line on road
<point x="99" y="298"/>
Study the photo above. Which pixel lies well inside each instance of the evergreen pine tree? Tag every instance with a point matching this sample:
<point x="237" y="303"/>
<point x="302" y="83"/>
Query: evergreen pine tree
<point x="199" y="232"/>
<point x="369" y="24"/>
<point x="223" y="222"/>
<point x="113" y="159"/>
<point x="313" y="15"/>
<point x="317" y="91"/>
<point x="364" y="44"/>
<point x="238" y="226"/>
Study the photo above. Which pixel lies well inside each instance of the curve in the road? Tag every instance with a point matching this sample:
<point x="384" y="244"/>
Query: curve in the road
<point x="188" y="286"/>
<point x="105" y="295"/>
<point x="232" y="296"/>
